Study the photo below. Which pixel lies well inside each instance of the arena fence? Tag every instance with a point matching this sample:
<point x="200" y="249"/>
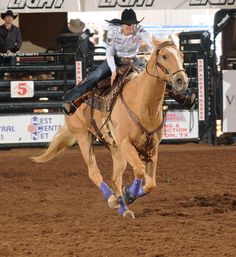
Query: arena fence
<point x="36" y="81"/>
<point x="32" y="86"/>
<point x="31" y="90"/>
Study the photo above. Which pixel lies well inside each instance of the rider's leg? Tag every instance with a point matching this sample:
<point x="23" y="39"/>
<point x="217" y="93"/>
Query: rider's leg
<point x="186" y="100"/>
<point x="89" y="83"/>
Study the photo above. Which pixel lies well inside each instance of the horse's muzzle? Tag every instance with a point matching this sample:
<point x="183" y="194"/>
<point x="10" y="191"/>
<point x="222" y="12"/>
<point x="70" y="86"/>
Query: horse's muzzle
<point x="179" y="82"/>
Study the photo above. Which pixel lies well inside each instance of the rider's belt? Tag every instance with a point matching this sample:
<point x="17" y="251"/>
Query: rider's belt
<point x="126" y="60"/>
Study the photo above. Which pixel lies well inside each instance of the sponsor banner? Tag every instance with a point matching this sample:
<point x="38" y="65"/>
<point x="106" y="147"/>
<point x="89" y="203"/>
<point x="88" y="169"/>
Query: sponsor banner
<point x="96" y="5"/>
<point x="201" y="89"/>
<point x="229" y="100"/>
<point x="181" y="125"/>
<point x="34" y="128"/>
<point x="24" y="6"/>
<point x="29" y="6"/>
<point x="40" y="128"/>
<point x="78" y="72"/>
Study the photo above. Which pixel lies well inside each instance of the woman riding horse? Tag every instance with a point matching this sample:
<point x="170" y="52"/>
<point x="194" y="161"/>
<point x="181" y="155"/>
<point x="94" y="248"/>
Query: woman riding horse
<point x="136" y="124"/>
<point x="124" y="38"/>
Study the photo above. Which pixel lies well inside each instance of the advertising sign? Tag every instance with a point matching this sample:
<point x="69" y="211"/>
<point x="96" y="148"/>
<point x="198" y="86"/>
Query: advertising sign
<point x="30" y="6"/>
<point x="23" y="6"/>
<point x="105" y="5"/>
<point x="181" y="125"/>
<point x="22" y="89"/>
<point x="201" y="89"/>
<point x="229" y="100"/>
<point x="40" y="128"/>
<point x="78" y="72"/>
<point x="34" y="128"/>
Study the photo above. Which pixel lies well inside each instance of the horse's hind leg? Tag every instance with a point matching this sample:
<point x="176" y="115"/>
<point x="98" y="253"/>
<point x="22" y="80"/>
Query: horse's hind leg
<point x="85" y="141"/>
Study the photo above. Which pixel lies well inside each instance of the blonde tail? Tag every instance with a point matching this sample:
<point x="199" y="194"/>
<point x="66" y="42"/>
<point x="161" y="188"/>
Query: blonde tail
<point x="60" y="141"/>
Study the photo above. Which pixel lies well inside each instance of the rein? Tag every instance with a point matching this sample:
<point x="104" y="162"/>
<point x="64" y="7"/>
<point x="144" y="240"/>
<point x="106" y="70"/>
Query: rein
<point x="162" y="67"/>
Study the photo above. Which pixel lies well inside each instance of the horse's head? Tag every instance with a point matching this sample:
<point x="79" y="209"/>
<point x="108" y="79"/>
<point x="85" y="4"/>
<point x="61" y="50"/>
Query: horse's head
<point x="168" y="62"/>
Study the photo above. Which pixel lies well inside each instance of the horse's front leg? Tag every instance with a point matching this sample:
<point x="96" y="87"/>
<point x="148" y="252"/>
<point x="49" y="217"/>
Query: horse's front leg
<point x="150" y="175"/>
<point x="119" y="165"/>
<point x="132" y="192"/>
<point x="135" y="190"/>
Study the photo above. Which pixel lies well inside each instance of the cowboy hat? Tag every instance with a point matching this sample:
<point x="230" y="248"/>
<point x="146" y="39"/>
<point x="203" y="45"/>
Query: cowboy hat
<point x="128" y="16"/>
<point x="76" y="26"/>
<point x="8" y="13"/>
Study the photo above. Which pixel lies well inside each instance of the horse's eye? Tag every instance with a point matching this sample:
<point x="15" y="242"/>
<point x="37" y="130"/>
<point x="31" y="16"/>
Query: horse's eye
<point x="164" y="57"/>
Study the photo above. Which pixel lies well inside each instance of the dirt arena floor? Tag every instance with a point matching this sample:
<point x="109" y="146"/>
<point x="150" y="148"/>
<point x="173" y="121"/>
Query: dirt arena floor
<point x="54" y="210"/>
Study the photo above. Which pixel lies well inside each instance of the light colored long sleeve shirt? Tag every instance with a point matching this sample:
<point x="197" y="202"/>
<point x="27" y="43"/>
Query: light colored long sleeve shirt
<point x="125" y="46"/>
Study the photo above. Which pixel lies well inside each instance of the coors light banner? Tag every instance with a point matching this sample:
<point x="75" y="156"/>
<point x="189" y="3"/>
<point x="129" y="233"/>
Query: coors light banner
<point x="96" y="5"/>
<point x="30" y="6"/>
<point x="104" y="5"/>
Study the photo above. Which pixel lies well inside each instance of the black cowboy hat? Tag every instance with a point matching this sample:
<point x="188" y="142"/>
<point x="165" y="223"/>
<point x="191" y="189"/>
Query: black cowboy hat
<point x="128" y="16"/>
<point x="8" y="13"/>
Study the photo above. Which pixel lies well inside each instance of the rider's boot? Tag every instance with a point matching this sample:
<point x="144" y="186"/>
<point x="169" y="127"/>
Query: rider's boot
<point x="188" y="101"/>
<point x="73" y="99"/>
<point x="69" y="107"/>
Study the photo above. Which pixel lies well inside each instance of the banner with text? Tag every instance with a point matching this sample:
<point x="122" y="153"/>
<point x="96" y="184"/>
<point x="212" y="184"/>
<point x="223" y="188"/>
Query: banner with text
<point x="229" y="100"/>
<point x="35" y="128"/>
<point x="30" y="6"/>
<point x="181" y="125"/>
<point x="106" y="5"/>
<point x="40" y="128"/>
<point x="36" y="6"/>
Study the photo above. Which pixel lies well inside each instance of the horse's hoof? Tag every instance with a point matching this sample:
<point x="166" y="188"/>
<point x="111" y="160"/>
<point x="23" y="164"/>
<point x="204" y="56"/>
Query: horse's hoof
<point x="128" y="197"/>
<point x="112" y="202"/>
<point x="129" y="214"/>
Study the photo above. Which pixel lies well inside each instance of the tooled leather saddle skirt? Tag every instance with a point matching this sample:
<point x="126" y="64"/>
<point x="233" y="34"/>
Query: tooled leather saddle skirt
<point x="104" y="96"/>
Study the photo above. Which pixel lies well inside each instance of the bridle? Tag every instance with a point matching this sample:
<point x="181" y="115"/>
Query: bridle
<point x="162" y="67"/>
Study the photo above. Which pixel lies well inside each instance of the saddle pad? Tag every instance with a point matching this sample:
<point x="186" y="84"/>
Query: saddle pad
<point x="104" y="96"/>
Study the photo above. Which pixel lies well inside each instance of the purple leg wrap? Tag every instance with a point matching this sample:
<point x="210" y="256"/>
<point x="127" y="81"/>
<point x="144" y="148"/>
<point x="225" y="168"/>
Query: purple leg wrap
<point x="136" y="188"/>
<point x="122" y="207"/>
<point x="106" y="190"/>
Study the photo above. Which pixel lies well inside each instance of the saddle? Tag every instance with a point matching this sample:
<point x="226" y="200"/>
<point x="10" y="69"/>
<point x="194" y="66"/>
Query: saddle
<point x="104" y="96"/>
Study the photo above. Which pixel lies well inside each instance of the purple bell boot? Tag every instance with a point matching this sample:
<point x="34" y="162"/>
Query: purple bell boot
<point x="132" y="192"/>
<point x="106" y="190"/>
<point x="122" y="205"/>
<point x="136" y="188"/>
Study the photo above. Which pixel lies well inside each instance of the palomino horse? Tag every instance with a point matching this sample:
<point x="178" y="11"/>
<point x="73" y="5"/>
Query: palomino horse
<point x="135" y="123"/>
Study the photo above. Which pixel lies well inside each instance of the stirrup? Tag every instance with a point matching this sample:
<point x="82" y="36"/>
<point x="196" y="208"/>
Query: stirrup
<point x="190" y="101"/>
<point x="69" y="108"/>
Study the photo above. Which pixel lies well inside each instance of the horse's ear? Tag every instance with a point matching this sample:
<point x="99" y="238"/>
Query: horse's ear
<point x="174" y="37"/>
<point x="156" y="42"/>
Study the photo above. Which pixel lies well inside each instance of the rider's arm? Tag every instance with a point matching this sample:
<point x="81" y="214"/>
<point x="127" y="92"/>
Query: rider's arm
<point x="146" y="38"/>
<point x="110" y="48"/>
<point x="111" y="61"/>
<point x="110" y="53"/>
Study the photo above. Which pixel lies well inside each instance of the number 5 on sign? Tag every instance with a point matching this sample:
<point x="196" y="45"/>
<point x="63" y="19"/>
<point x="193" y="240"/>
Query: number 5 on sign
<point x="22" y="89"/>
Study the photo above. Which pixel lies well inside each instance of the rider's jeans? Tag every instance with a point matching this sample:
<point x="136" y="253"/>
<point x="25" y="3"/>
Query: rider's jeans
<point x="102" y="72"/>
